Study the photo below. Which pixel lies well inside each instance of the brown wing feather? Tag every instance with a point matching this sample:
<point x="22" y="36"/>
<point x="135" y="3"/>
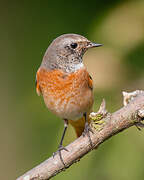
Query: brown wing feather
<point x="90" y="82"/>
<point x="38" y="89"/>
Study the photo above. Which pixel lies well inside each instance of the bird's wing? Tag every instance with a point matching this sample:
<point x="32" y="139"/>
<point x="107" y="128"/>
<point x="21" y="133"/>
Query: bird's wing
<point x="38" y="89"/>
<point x="90" y="82"/>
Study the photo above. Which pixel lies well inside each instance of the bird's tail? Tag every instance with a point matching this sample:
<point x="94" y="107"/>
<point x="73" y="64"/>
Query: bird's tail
<point x="79" y="125"/>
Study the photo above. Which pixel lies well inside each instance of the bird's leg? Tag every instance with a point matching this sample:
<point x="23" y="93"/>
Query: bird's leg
<point x="87" y="129"/>
<point x="60" y="147"/>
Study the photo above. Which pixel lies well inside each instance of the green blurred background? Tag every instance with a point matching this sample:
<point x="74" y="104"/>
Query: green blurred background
<point x="29" y="132"/>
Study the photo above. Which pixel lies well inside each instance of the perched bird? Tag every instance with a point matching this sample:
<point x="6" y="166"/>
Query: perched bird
<point x="65" y="83"/>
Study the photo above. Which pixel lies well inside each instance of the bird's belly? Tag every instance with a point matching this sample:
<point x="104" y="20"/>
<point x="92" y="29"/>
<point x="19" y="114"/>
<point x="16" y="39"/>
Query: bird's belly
<point x="70" y="105"/>
<point x="67" y="96"/>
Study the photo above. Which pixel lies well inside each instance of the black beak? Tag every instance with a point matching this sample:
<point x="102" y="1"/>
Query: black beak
<point x="91" y="45"/>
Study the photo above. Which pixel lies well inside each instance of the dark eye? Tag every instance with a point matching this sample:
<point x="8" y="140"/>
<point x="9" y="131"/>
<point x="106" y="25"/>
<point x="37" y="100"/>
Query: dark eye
<point x="73" y="45"/>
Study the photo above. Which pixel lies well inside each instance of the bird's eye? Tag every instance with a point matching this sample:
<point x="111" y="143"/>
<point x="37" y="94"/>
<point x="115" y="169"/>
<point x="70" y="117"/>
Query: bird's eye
<point x="74" y="45"/>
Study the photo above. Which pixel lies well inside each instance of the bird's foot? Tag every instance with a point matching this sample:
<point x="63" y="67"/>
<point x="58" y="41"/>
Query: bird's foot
<point x="87" y="131"/>
<point x="60" y="148"/>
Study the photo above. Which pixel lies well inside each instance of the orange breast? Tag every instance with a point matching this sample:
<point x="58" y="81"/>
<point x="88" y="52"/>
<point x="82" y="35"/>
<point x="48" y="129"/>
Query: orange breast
<point x="66" y="95"/>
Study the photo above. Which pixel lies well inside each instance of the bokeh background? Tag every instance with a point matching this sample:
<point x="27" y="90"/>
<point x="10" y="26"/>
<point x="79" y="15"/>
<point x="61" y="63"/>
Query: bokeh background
<point x="29" y="133"/>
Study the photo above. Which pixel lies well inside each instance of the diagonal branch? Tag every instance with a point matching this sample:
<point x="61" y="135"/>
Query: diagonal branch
<point x="105" y="125"/>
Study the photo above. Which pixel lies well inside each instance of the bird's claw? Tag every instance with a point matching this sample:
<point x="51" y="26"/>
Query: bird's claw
<point x="60" y="148"/>
<point x="87" y="131"/>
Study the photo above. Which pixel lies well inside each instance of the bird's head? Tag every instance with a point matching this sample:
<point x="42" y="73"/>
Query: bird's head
<point x="66" y="52"/>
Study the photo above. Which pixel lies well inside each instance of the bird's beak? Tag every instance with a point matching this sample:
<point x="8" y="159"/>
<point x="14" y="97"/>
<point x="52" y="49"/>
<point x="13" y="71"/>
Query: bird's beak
<point x="91" y="45"/>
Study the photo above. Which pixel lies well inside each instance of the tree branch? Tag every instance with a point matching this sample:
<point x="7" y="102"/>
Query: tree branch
<point x="105" y="125"/>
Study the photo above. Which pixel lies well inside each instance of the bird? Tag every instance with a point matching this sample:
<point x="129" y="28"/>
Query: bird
<point x="65" y="84"/>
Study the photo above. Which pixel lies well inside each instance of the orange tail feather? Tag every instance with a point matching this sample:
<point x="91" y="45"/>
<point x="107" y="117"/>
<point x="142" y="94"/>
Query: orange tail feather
<point x="79" y="125"/>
